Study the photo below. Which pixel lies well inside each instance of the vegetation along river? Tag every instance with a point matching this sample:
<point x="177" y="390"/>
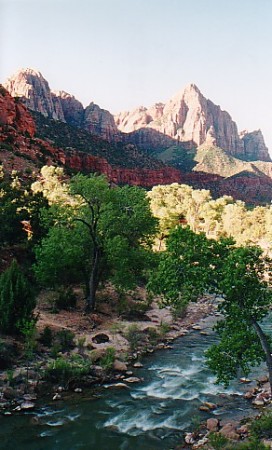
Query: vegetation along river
<point x="150" y="415"/>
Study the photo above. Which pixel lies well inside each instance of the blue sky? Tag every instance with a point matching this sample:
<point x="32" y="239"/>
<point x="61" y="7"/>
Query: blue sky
<point x="125" y="53"/>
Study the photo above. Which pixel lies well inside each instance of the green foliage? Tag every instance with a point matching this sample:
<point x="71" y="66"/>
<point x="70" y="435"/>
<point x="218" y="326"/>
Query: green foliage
<point x="17" y="299"/>
<point x="262" y="427"/>
<point x="66" y="371"/>
<point x="46" y="337"/>
<point x="218" y="441"/>
<point x="65" y="339"/>
<point x="164" y="329"/>
<point x="108" y="359"/>
<point x="63" y="256"/>
<point x="216" y="218"/>
<point x="134" y="336"/>
<point x="244" y="283"/>
<point x="66" y="299"/>
<point x="188" y="268"/>
<point x="17" y="204"/>
<point x="103" y="234"/>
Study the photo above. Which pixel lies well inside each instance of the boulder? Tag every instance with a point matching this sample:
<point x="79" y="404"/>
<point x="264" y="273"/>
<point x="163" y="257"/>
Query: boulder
<point x="132" y="380"/>
<point x="120" y="366"/>
<point x="27" y="405"/>
<point x="101" y="338"/>
<point x="229" y="431"/>
<point x="137" y="364"/>
<point x="212" y="424"/>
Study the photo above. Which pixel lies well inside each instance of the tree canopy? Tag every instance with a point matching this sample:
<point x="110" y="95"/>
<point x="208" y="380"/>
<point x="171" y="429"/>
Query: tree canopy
<point x="110" y="233"/>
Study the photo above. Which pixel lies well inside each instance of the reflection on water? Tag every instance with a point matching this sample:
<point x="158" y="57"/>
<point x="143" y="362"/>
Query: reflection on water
<point x="151" y="415"/>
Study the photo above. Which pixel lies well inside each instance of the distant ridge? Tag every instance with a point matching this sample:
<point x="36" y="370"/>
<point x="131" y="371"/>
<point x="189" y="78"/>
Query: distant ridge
<point x="188" y="119"/>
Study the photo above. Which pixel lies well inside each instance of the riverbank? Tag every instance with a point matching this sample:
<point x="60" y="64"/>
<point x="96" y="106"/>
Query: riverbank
<point x="126" y="365"/>
<point x="94" y="338"/>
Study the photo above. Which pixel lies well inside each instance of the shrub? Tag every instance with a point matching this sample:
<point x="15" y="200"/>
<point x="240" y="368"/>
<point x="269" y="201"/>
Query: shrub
<point x="65" y="371"/>
<point x="164" y="328"/>
<point x="218" y="441"/>
<point x="66" y="299"/>
<point x="152" y="335"/>
<point x="108" y="359"/>
<point x="262" y="427"/>
<point x="65" y="339"/>
<point x="134" y="336"/>
<point x="17" y="299"/>
<point x="46" y="337"/>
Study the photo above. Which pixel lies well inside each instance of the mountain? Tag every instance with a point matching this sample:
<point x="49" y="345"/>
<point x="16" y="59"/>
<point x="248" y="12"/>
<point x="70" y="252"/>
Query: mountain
<point x="172" y="142"/>
<point x="191" y="120"/>
<point x="29" y="141"/>
<point x="187" y="120"/>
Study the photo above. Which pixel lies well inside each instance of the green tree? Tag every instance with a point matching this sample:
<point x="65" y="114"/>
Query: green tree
<point x="245" y="285"/>
<point x="104" y="233"/>
<point x="17" y="299"/>
<point x="188" y="268"/>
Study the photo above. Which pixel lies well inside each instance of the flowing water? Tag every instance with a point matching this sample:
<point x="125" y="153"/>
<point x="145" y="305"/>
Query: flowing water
<point x="151" y="415"/>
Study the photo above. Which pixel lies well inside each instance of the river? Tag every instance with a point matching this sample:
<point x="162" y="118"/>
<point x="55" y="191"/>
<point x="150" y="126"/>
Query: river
<point x="151" y="415"/>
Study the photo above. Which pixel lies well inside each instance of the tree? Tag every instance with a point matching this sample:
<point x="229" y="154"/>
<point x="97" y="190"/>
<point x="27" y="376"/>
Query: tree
<point x="188" y="267"/>
<point x="17" y="299"/>
<point x="247" y="297"/>
<point x="109" y="238"/>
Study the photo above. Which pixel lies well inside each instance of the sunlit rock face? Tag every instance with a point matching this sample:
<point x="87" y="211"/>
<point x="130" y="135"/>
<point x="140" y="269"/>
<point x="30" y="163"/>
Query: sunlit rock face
<point x="34" y="91"/>
<point x="187" y="118"/>
<point x="15" y="114"/>
<point x="190" y="118"/>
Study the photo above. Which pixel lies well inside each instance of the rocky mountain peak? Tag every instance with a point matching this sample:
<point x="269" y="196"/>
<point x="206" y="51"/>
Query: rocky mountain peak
<point x="34" y="91"/>
<point x="187" y="119"/>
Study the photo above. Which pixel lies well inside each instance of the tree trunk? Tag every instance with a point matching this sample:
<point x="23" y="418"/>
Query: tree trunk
<point x="266" y="348"/>
<point x="93" y="280"/>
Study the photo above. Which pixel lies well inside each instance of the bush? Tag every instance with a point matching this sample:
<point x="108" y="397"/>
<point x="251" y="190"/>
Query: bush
<point x="134" y="336"/>
<point x="66" y="371"/>
<point x="218" y="441"/>
<point x="66" y="299"/>
<point x="108" y="359"/>
<point x="46" y="337"/>
<point x="262" y="427"/>
<point x="17" y="299"/>
<point x="65" y="339"/>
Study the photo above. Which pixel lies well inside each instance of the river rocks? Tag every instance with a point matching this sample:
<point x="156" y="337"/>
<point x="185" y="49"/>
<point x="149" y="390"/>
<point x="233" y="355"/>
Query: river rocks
<point x="245" y="380"/>
<point x="118" y="385"/>
<point x="119" y="366"/>
<point x="263" y="379"/>
<point x="78" y="390"/>
<point x="229" y="431"/>
<point x="196" y="327"/>
<point x="204" y="408"/>
<point x="9" y="392"/>
<point x="132" y="380"/>
<point x="207" y="406"/>
<point x="101" y="338"/>
<point x="57" y="397"/>
<point x="189" y="438"/>
<point x="137" y="364"/>
<point x="212" y="424"/>
<point x="200" y="443"/>
<point x="26" y="405"/>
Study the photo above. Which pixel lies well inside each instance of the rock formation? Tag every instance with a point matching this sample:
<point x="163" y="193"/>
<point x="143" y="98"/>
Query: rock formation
<point x="254" y="145"/>
<point x="188" y="119"/>
<point x="15" y="115"/>
<point x="100" y="122"/>
<point x="72" y="109"/>
<point x="35" y="93"/>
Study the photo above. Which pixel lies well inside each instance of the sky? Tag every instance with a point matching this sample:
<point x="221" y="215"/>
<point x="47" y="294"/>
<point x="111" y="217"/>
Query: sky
<point x="122" y="54"/>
